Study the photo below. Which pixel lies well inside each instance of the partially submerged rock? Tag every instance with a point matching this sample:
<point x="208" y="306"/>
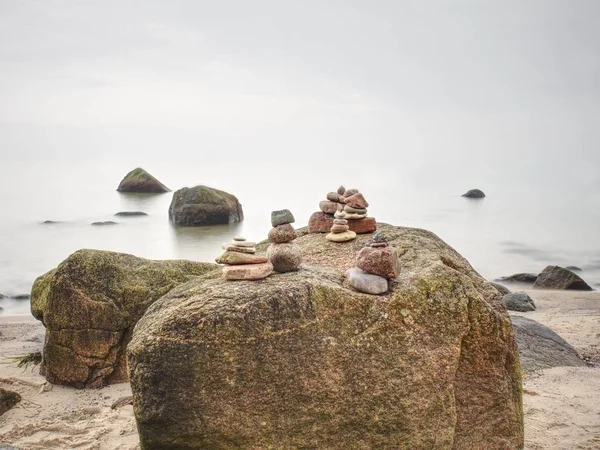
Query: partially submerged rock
<point x="474" y="193"/>
<point x="104" y="223"/>
<point x="555" y="277"/>
<point x="130" y="213"/>
<point x="541" y="348"/>
<point x="138" y="180"/>
<point x="519" y="278"/>
<point x="89" y="305"/>
<point x="8" y="400"/>
<point x="298" y="360"/>
<point x="202" y="205"/>
<point x="518" y="301"/>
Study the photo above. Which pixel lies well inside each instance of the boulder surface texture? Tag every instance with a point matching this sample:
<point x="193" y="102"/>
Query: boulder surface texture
<point x="555" y="277"/>
<point x="202" y="205"/>
<point x="138" y="180"/>
<point x="89" y="305"/>
<point x="299" y="360"/>
<point x="518" y="301"/>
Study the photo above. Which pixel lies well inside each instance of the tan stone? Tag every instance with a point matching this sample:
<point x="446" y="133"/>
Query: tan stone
<point x="341" y="237"/>
<point x="248" y="271"/>
<point x="237" y="258"/>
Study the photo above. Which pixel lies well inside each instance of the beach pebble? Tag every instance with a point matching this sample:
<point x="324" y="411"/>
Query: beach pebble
<point x="333" y="196"/>
<point x="341" y="190"/>
<point x="366" y="282"/>
<point x="328" y="207"/>
<point x="248" y="271"/>
<point x="282" y="233"/>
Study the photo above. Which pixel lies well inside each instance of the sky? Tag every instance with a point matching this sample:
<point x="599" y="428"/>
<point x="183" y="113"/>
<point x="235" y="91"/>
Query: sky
<point x="469" y="84"/>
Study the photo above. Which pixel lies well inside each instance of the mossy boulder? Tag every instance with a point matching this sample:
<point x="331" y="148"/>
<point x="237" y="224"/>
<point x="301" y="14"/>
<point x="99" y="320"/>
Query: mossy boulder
<point x="202" y="205"/>
<point x="138" y="180"/>
<point x="300" y="360"/>
<point x="89" y="305"/>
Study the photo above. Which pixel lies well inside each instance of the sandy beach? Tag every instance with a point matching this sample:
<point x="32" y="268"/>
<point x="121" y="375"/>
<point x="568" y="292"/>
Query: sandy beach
<point x="562" y="404"/>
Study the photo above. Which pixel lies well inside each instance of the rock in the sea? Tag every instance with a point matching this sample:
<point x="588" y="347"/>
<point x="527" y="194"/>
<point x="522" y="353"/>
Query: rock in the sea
<point x="21" y="297"/>
<point x="299" y="361"/>
<point x="105" y="223"/>
<point x="236" y="258"/>
<point x="8" y="399"/>
<point x="248" y="271"/>
<point x="574" y="269"/>
<point x="541" y="348"/>
<point x="474" y="193"/>
<point x="202" y="205"/>
<point x="89" y="305"/>
<point x="341" y="190"/>
<point x="281" y="217"/>
<point x="282" y="233"/>
<point x="555" y="277"/>
<point x="518" y="301"/>
<point x="138" y="180"/>
<point x="285" y="257"/>
<point x="49" y="222"/>
<point x="381" y="261"/>
<point x="502" y="289"/>
<point x="519" y="278"/>
<point x="130" y="213"/>
<point x="366" y="282"/>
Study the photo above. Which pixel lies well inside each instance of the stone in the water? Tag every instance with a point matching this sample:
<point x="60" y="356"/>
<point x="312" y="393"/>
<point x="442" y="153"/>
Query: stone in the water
<point x="328" y="207"/>
<point x="21" y="297"/>
<point x="333" y="196"/>
<point x="281" y="217"/>
<point x="366" y="282"/>
<point x="242" y="243"/>
<point x="49" y="222"/>
<point x="574" y="269"/>
<point x="237" y="258"/>
<point x="106" y="222"/>
<point x="518" y="301"/>
<point x="519" y="278"/>
<point x="202" y="205"/>
<point x="248" y="271"/>
<point x="8" y="399"/>
<point x="341" y="237"/>
<point x="282" y="233"/>
<point x="285" y="257"/>
<point x="351" y="210"/>
<point x="339" y="228"/>
<point x="235" y="248"/>
<point x="341" y="190"/>
<point x="555" y="277"/>
<point x="351" y="216"/>
<point x="379" y="261"/>
<point x="350" y="192"/>
<point x="130" y="213"/>
<point x="239" y="238"/>
<point x="138" y="180"/>
<point x="357" y="201"/>
<point x="340" y="222"/>
<point x="474" y="193"/>
<point x="502" y="289"/>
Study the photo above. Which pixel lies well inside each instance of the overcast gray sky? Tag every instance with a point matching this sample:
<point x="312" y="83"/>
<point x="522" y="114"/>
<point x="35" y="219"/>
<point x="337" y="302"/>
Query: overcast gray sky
<point x="419" y="80"/>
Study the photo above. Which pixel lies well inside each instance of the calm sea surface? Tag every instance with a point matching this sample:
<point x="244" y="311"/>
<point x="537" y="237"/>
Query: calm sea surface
<point x="524" y="223"/>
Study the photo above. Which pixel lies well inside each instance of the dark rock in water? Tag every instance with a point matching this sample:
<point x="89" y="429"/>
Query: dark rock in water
<point x="89" y="305"/>
<point x="107" y="222"/>
<point x="138" y="180"/>
<point x="519" y="301"/>
<point x="130" y="213"/>
<point x="502" y="289"/>
<point x="2" y="296"/>
<point x="202" y="205"/>
<point x="555" y="277"/>
<point x="519" y="278"/>
<point x="574" y="269"/>
<point x="540" y="347"/>
<point x="474" y="193"/>
<point x="8" y="399"/>
<point x="20" y="297"/>
<point x="298" y="360"/>
<point x="49" y="222"/>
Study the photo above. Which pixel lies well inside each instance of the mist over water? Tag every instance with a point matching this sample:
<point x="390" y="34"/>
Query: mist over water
<point x="278" y="104"/>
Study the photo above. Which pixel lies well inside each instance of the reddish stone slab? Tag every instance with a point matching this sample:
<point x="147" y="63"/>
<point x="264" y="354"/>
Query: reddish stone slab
<point x="320" y="222"/>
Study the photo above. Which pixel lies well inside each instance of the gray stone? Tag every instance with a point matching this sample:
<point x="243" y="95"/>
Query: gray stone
<point x="203" y="205"/>
<point x="519" y="278"/>
<point x="555" y="277"/>
<point x="351" y="210"/>
<point x="340" y="222"/>
<point x="574" y="269"/>
<point x="333" y="196"/>
<point x="106" y="222"/>
<point x="540" y="347"/>
<point x="130" y="213"/>
<point x="366" y="282"/>
<point x="474" y="193"/>
<point x="281" y="217"/>
<point x="518" y="301"/>
<point x="328" y="207"/>
<point x="502" y="289"/>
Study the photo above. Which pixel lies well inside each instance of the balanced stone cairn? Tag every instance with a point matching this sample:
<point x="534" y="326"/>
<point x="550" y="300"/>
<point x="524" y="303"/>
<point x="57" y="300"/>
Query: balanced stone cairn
<point x="344" y="204"/>
<point x="283" y="253"/>
<point x="376" y="264"/>
<point x="242" y="263"/>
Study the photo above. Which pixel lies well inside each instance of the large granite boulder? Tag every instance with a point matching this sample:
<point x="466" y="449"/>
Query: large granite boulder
<point x="299" y="360"/>
<point x="202" y="205"/>
<point x="138" y="180"/>
<point x="555" y="277"/>
<point x="541" y="348"/>
<point x="89" y="305"/>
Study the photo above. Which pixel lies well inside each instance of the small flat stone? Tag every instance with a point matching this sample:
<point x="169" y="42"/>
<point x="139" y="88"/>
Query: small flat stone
<point x="239" y="239"/>
<point x="339" y="228"/>
<point x="350" y="209"/>
<point x="242" y="243"/>
<point x="248" y="271"/>
<point x="341" y="190"/>
<point x="366" y="282"/>
<point x="281" y="217"/>
<point x="285" y="257"/>
<point x="379" y="244"/>
<point x="328" y="207"/>
<point x="350" y="192"/>
<point x="341" y="237"/>
<point x="351" y="216"/>
<point x="357" y="201"/>
<point x="282" y="233"/>
<point x="379" y="261"/>
<point x="379" y="237"/>
<point x="333" y="196"/>
<point x="235" y="248"/>
<point x="340" y="222"/>
<point x="236" y="258"/>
